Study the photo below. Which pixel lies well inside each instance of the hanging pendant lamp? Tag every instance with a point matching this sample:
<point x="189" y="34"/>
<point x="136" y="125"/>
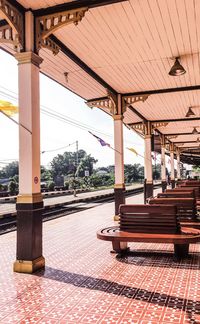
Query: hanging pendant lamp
<point x="177" y="69"/>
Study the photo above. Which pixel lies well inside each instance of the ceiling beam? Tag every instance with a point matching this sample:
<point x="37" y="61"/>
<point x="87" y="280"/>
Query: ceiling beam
<point x="81" y="64"/>
<point x="160" y="91"/>
<point x="17" y="5"/>
<point x="137" y="114"/>
<point x="74" y="5"/>
<point x="174" y="120"/>
<point x="169" y="120"/>
<point x="184" y="142"/>
<point x="178" y="134"/>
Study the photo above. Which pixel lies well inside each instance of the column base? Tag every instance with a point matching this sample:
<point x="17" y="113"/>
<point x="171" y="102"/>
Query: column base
<point x="24" y="266"/>
<point x="116" y="218"/>
<point x="172" y="184"/>
<point x="164" y="186"/>
<point x="148" y="191"/>
<point x="119" y="194"/>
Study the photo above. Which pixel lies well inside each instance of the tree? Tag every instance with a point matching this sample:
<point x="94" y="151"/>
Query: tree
<point x="133" y="172"/>
<point x="10" y="170"/>
<point x="66" y="164"/>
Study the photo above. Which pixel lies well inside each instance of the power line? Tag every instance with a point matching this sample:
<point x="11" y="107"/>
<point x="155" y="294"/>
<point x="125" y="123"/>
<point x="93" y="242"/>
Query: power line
<point x="57" y="149"/>
<point x="61" y="117"/>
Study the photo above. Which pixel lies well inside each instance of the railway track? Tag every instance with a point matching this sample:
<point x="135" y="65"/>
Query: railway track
<point x="9" y="223"/>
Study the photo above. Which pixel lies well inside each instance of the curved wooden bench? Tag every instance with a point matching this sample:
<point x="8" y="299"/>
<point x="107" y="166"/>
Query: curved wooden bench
<point x="145" y="223"/>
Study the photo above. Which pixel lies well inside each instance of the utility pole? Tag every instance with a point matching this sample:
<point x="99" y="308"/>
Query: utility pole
<point x="77" y="159"/>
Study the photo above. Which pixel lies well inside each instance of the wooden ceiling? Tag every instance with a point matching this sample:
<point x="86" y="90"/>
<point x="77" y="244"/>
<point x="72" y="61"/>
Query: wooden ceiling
<point x="129" y="47"/>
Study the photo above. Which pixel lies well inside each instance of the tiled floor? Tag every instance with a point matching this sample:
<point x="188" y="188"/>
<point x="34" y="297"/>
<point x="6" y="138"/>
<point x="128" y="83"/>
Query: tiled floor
<point x="84" y="283"/>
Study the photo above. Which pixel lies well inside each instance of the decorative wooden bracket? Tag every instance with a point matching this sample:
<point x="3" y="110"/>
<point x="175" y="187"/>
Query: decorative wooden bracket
<point x="13" y="31"/>
<point x="139" y="126"/>
<point x="159" y="124"/>
<point x="46" y="25"/>
<point x="109" y="102"/>
<point x="171" y="137"/>
<point x="129" y="100"/>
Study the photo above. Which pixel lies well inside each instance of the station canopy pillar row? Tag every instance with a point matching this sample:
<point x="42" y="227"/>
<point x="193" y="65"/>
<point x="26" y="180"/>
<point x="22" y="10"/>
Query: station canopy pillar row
<point x="172" y="166"/>
<point x="148" y="173"/>
<point x="163" y="165"/>
<point x="119" y="187"/>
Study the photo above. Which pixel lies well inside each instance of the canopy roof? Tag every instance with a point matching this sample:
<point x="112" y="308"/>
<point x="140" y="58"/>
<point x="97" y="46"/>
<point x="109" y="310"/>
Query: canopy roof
<point x="128" y="47"/>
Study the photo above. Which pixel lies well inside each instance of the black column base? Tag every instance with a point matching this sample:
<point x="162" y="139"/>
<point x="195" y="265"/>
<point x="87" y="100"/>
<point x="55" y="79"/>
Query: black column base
<point x="164" y="186"/>
<point x="119" y="198"/>
<point x="148" y="191"/>
<point x="29" y="237"/>
<point x="172" y="184"/>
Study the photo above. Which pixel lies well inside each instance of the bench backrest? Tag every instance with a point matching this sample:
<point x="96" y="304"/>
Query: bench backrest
<point x="176" y="194"/>
<point x="195" y="188"/>
<point x="183" y="189"/>
<point x="149" y="219"/>
<point x="179" y="190"/>
<point x="186" y="207"/>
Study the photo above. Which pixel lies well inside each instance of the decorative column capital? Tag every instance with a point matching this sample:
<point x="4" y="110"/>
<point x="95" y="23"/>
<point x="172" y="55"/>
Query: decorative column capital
<point x="28" y="57"/>
<point x="118" y="117"/>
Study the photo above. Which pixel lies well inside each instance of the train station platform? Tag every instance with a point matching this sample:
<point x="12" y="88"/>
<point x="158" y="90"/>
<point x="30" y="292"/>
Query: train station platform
<point x="84" y="283"/>
<point x="53" y="199"/>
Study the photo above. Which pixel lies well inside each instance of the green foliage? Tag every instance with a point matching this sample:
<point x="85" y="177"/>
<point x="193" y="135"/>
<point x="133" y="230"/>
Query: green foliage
<point x="13" y="187"/>
<point x="133" y="172"/>
<point x="66" y="164"/>
<point x="51" y="186"/>
<point x="157" y="171"/>
<point x="10" y="170"/>
<point x="46" y="175"/>
<point x="66" y="184"/>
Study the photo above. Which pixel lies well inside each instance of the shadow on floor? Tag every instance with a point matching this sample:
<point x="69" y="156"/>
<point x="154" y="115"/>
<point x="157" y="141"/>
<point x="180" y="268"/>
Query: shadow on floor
<point x="191" y="307"/>
<point x="157" y="258"/>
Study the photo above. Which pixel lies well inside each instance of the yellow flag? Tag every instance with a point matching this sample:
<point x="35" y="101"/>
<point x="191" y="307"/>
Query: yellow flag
<point x="8" y="108"/>
<point x="132" y="150"/>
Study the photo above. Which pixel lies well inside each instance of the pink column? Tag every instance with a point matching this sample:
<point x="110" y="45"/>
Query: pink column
<point x="119" y="187"/>
<point x="29" y="201"/>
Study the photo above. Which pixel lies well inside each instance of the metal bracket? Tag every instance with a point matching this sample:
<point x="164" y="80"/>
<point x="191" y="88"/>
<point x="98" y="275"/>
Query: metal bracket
<point x="46" y="25"/>
<point x="13" y="32"/>
<point x="129" y="100"/>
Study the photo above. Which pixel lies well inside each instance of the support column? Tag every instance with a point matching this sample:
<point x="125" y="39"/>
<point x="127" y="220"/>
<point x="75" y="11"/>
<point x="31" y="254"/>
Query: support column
<point x="178" y="164"/>
<point x="119" y="188"/>
<point x="172" y="166"/>
<point x="163" y="165"/>
<point x="29" y="201"/>
<point x="148" y="186"/>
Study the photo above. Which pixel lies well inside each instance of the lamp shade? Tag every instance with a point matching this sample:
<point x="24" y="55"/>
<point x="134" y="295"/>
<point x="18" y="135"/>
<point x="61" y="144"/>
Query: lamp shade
<point x="190" y="112"/>
<point x="195" y="131"/>
<point x="177" y="69"/>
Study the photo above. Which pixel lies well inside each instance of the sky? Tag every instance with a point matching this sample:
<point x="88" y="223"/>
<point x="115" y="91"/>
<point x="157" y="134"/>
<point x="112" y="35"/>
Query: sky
<point x="57" y="131"/>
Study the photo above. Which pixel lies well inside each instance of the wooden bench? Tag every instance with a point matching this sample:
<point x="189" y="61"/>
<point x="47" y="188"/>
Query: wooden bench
<point x="186" y="188"/>
<point x="184" y="191"/>
<point x="186" y="207"/>
<point x="176" y="194"/>
<point x="150" y="224"/>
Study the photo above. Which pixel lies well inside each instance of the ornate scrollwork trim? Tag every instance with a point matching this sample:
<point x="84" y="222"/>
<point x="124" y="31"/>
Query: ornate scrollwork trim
<point x="139" y="126"/>
<point x="46" y="25"/>
<point x="100" y="103"/>
<point x="13" y="32"/>
<point x="109" y="102"/>
<point x="160" y="124"/>
<point x="129" y="100"/>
